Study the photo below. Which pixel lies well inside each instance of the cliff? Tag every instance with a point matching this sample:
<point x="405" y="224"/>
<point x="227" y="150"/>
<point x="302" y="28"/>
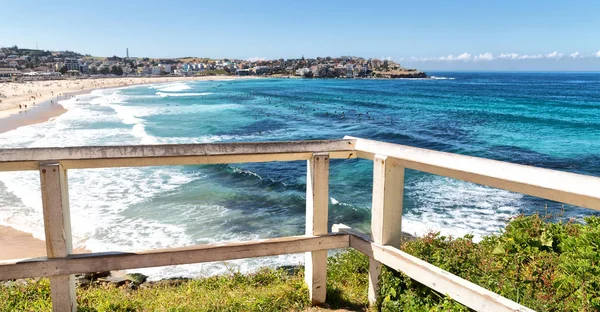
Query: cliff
<point x="400" y="73"/>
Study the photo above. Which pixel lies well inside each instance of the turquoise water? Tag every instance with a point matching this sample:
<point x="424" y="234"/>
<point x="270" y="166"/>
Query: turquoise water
<point x="549" y="120"/>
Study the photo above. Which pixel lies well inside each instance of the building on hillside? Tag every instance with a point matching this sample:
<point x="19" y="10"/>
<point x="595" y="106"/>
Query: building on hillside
<point x="242" y="72"/>
<point x="72" y="64"/>
<point x="262" y="70"/>
<point x="302" y="71"/>
<point x="155" y="70"/>
<point x="349" y="71"/>
<point x="8" y="72"/>
<point x="42" y="69"/>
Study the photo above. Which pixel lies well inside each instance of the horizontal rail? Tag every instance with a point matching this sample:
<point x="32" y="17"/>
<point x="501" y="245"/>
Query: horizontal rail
<point x="171" y="161"/>
<point x="570" y="188"/>
<point x="461" y="290"/>
<point x="165" y="155"/>
<point x="94" y="262"/>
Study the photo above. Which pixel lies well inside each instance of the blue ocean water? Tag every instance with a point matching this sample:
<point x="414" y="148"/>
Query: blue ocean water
<point x="549" y="120"/>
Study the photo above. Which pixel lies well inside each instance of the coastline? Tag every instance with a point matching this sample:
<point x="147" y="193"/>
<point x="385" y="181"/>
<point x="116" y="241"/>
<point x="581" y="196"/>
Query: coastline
<point x="17" y="244"/>
<point x="13" y="117"/>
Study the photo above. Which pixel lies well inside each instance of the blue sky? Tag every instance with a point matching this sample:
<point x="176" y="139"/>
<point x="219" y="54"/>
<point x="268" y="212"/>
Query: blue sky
<point x="445" y="35"/>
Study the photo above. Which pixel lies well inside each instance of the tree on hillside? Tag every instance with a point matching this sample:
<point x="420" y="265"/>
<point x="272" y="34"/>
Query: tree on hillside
<point x="116" y="70"/>
<point x="63" y="69"/>
<point x="104" y="70"/>
<point x="93" y="70"/>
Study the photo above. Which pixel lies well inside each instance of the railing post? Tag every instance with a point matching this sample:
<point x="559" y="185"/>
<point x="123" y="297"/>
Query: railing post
<point x="57" y="227"/>
<point x="317" y="204"/>
<point x="386" y="212"/>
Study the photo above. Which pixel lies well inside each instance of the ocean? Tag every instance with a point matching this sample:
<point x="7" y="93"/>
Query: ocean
<point x="549" y="120"/>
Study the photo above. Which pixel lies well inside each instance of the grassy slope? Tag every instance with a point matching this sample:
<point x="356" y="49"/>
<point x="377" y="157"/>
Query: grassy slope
<point x="545" y="266"/>
<point x="266" y="290"/>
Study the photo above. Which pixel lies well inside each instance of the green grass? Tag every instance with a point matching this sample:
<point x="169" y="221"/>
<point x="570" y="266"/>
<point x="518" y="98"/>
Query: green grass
<point x="266" y="290"/>
<point x="542" y="265"/>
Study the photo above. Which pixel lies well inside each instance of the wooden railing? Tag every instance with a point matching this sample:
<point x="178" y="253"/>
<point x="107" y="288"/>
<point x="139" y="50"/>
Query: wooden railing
<point x="389" y="160"/>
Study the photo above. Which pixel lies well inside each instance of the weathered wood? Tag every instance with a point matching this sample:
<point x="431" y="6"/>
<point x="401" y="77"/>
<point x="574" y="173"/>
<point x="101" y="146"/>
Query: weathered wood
<point x="171" y="161"/>
<point x="570" y="188"/>
<point x="388" y="193"/>
<point x="386" y="212"/>
<point x="317" y="203"/>
<point x="57" y="227"/>
<point x="461" y="290"/>
<point x="159" y="155"/>
<point x="108" y="261"/>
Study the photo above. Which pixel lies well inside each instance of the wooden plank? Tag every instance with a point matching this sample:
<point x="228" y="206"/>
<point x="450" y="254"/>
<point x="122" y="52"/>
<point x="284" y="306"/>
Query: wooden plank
<point x="57" y="227"/>
<point x="570" y="188"/>
<point x="386" y="212"/>
<point x="93" y="262"/>
<point x="317" y="204"/>
<point x="173" y="150"/>
<point x="388" y="193"/>
<point x="461" y="290"/>
<point x="171" y="161"/>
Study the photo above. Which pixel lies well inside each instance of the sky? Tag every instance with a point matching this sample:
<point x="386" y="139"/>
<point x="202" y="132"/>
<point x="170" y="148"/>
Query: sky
<point x="428" y="35"/>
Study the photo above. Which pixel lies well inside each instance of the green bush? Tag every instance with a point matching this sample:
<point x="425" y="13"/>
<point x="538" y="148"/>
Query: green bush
<point x="542" y="265"/>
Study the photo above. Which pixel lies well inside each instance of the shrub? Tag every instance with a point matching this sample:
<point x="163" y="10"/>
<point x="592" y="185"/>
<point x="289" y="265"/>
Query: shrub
<point x="543" y="265"/>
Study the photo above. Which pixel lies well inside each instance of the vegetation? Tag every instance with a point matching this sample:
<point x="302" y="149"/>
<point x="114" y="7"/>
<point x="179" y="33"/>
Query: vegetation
<point x="542" y="265"/>
<point x="545" y="266"/>
<point x="116" y="70"/>
<point x="212" y="72"/>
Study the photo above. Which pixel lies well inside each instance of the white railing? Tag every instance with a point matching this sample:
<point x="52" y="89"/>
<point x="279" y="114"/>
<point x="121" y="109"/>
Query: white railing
<point x="382" y="247"/>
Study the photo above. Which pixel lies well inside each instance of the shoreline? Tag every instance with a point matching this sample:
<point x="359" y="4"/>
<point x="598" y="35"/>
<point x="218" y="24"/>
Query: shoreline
<point x="13" y="117"/>
<point x="18" y="244"/>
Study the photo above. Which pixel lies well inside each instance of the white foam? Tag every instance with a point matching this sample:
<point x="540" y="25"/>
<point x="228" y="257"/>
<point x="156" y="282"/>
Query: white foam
<point x="164" y="94"/>
<point x="457" y="208"/>
<point x="441" y="78"/>
<point x="173" y="87"/>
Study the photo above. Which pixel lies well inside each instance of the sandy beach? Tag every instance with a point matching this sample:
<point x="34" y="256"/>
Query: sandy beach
<point x="17" y="245"/>
<point x="41" y="98"/>
<point x="33" y="93"/>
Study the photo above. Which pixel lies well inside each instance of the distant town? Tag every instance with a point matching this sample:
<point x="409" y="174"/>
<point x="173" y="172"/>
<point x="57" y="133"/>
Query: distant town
<point x="17" y="63"/>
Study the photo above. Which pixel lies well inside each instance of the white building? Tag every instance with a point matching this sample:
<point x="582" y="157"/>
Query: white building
<point x="302" y="71"/>
<point x="155" y="70"/>
<point x="72" y="64"/>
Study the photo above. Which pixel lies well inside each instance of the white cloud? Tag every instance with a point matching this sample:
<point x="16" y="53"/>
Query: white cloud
<point x="484" y="57"/>
<point x="554" y="55"/>
<point x="509" y="56"/>
<point x="532" y="57"/>
<point x="462" y="57"/>
<point x="256" y="59"/>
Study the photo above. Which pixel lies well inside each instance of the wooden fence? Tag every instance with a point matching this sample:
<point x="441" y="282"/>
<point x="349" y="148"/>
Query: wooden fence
<point x="389" y="161"/>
